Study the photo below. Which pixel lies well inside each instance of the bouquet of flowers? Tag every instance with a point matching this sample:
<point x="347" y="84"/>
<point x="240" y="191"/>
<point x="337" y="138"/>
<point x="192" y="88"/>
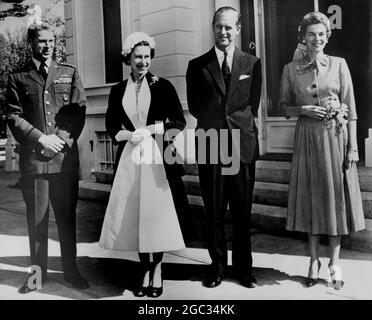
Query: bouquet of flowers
<point x="337" y="111"/>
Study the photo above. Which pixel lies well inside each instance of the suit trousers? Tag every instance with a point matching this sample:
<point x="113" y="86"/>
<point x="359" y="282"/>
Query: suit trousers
<point x="236" y="190"/>
<point x="62" y="191"/>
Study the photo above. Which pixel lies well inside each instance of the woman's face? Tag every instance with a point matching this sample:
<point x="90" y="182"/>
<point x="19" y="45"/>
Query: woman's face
<point x="140" y="61"/>
<point x="316" y="37"/>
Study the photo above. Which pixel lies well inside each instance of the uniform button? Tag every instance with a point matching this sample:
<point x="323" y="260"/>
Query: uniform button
<point x="46" y="92"/>
<point x="47" y="103"/>
<point x="49" y="113"/>
<point x="49" y="124"/>
<point x="313" y="86"/>
<point x="315" y="96"/>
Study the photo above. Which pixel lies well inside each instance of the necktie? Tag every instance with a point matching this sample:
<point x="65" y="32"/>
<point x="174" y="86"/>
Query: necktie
<point x="42" y="70"/>
<point x="226" y="71"/>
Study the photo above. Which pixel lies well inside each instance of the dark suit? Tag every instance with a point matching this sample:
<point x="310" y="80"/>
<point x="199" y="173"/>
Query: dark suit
<point x="36" y="107"/>
<point x="165" y="107"/>
<point x="215" y="107"/>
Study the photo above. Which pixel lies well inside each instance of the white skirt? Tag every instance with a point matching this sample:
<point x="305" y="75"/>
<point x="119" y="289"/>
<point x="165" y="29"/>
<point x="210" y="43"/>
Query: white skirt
<point x="140" y="214"/>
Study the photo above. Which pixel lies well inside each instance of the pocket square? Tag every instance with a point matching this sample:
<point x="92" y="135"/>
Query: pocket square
<point x="244" y="76"/>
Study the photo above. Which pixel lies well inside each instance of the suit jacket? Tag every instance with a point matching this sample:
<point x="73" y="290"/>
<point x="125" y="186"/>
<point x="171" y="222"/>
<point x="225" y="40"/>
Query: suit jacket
<point x="214" y="107"/>
<point x="165" y="107"/>
<point x="36" y="107"/>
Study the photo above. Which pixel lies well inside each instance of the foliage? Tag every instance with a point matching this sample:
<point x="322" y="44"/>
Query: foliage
<point x="15" y="50"/>
<point x="18" y="10"/>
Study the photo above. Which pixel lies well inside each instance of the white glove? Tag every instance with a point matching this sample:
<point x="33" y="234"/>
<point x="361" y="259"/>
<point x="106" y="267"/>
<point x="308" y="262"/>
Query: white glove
<point x="139" y="135"/>
<point x="123" y="135"/>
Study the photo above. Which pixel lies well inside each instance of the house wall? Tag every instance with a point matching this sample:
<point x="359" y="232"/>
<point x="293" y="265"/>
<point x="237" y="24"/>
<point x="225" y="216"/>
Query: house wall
<point x="182" y="30"/>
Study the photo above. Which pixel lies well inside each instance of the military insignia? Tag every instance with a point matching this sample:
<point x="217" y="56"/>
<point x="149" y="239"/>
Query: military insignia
<point x="65" y="97"/>
<point x="63" y="80"/>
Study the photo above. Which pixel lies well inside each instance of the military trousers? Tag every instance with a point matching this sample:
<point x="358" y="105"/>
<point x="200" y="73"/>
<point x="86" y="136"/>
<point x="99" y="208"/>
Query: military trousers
<point x="61" y="191"/>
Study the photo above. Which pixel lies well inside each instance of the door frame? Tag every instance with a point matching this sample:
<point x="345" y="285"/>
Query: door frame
<point x="275" y="133"/>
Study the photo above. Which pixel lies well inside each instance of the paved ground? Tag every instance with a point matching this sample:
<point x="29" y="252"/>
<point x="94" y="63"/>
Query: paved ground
<point x="280" y="264"/>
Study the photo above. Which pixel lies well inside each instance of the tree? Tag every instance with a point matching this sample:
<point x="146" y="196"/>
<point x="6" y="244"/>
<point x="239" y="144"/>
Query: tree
<point x="18" y="10"/>
<point x="15" y="51"/>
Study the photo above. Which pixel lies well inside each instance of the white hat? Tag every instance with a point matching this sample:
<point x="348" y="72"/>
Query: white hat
<point x="133" y="39"/>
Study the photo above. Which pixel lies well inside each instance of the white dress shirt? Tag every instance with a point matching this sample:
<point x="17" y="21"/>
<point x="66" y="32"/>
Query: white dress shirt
<point x="221" y="55"/>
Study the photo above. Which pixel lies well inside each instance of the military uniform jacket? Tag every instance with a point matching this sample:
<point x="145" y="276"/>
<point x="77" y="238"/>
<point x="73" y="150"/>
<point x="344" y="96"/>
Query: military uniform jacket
<point x="36" y="107"/>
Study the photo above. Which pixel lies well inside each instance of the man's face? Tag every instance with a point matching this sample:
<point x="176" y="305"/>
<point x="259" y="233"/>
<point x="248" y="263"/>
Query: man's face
<point x="225" y="30"/>
<point x="43" y="45"/>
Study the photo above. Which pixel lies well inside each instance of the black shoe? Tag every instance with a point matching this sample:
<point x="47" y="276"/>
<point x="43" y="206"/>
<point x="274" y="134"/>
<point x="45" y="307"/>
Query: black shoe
<point x="309" y="282"/>
<point x="141" y="291"/>
<point x="154" y="292"/>
<point x="213" y="281"/>
<point x="248" y="281"/>
<point x="77" y="281"/>
<point x="312" y="280"/>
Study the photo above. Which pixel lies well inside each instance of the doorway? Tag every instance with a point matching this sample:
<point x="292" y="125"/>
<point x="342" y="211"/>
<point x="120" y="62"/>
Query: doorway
<point x="276" y="39"/>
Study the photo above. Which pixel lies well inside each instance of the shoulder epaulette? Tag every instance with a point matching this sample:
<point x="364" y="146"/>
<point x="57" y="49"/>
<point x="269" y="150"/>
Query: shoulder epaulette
<point x="66" y="64"/>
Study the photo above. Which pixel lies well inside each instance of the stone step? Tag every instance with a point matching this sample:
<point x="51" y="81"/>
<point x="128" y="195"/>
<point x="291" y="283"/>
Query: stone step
<point x="273" y="194"/>
<point x="279" y="172"/>
<point x="273" y="171"/>
<point x="272" y="220"/>
<point x="359" y="241"/>
<point x="264" y="217"/>
<point x="264" y="192"/>
<point x="94" y="191"/>
<point x="266" y="171"/>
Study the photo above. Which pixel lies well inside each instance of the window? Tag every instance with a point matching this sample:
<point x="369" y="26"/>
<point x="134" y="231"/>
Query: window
<point x="107" y="152"/>
<point x="113" y="40"/>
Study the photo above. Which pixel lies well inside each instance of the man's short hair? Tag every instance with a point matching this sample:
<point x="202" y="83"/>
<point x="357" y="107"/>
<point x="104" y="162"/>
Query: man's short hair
<point x="34" y="29"/>
<point x="224" y="9"/>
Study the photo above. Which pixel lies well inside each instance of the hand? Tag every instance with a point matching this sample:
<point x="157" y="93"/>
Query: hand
<point x="52" y="142"/>
<point x="139" y="135"/>
<point x="123" y="135"/>
<point x="314" y="112"/>
<point x="352" y="158"/>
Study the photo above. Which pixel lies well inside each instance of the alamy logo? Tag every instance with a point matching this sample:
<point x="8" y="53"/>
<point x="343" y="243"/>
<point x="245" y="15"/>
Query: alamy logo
<point x="213" y="147"/>
<point x="34" y="281"/>
<point x="336" y="16"/>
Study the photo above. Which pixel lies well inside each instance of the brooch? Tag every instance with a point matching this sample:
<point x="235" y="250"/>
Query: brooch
<point x="154" y="79"/>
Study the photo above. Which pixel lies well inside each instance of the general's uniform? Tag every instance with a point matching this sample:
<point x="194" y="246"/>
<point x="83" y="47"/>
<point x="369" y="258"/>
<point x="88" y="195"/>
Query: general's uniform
<point x="53" y="106"/>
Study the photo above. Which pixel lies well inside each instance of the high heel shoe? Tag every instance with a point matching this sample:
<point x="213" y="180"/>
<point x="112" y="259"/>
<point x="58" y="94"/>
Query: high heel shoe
<point x="155" y="292"/>
<point x="335" y="273"/>
<point x="141" y="292"/>
<point x="311" y="281"/>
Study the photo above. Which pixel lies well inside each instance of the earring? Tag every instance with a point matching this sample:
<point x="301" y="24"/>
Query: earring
<point x="303" y="41"/>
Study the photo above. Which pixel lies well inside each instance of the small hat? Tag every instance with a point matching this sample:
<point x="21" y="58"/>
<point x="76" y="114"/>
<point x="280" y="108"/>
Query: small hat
<point x="133" y="39"/>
